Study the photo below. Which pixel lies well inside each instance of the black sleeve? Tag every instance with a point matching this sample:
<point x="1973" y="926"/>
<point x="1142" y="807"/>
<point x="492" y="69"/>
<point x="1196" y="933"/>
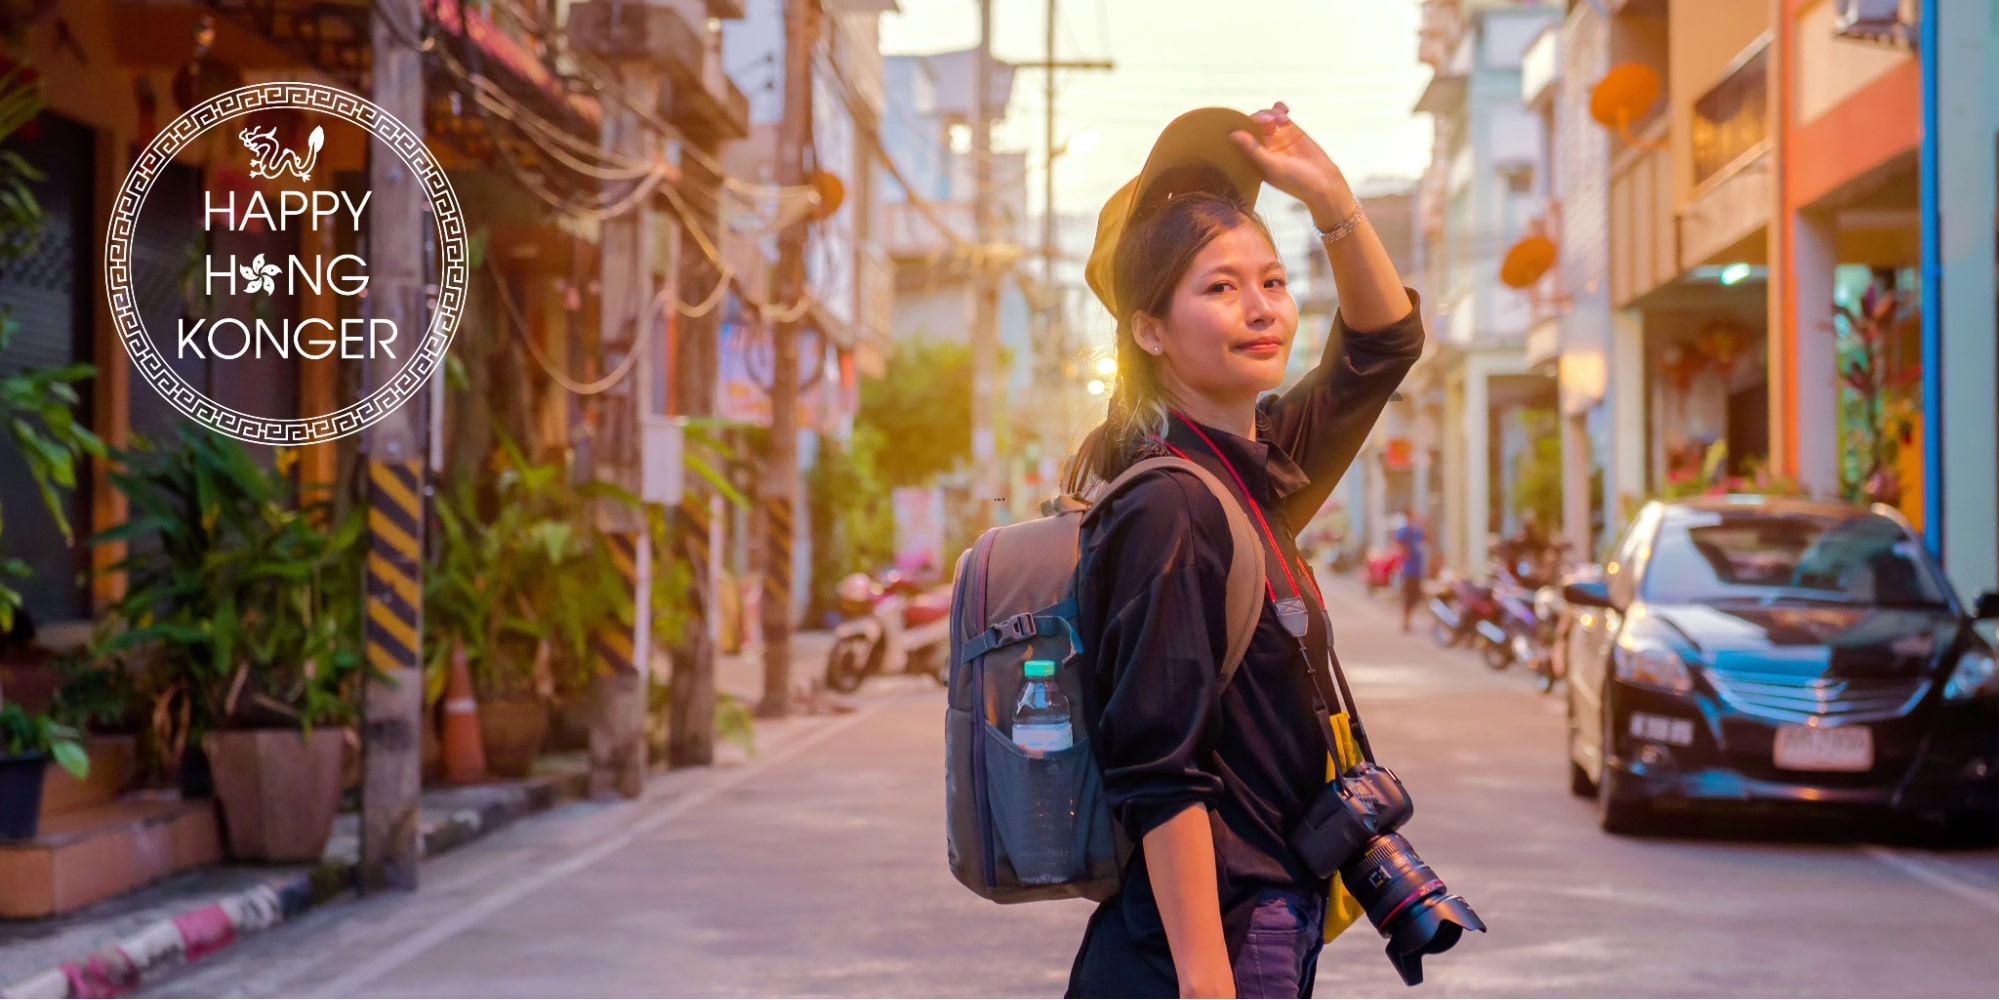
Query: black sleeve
<point x="1322" y="422"/>
<point x="1159" y="578"/>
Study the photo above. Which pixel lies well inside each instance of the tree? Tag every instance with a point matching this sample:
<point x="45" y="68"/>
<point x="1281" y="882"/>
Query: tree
<point x="1537" y="475"/>
<point x="922" y="411"/>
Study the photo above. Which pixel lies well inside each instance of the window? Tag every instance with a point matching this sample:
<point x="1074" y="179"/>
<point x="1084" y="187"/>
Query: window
<point x="1862" y="559"/>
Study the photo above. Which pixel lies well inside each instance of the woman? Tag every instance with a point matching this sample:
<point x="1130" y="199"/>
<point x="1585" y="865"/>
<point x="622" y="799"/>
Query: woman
<point x="1209" y="783"/>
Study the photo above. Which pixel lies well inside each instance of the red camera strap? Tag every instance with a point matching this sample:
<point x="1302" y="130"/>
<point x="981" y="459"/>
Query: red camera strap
<point x="1340" y="693"/>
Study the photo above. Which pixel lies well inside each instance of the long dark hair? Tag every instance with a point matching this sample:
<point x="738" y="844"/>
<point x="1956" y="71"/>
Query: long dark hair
<point x="1152" y="256"/>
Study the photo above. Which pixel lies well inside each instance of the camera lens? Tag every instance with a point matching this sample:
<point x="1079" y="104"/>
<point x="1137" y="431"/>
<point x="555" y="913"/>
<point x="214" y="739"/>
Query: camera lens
<point x="1407" y="903"/>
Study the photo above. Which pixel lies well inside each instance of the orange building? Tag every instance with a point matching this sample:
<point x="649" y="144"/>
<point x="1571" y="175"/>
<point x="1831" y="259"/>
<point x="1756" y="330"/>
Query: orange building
<point x="1847" y="217"/>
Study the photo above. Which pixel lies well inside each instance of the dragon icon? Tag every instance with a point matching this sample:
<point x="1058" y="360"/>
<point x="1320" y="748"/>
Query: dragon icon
<point x="270" y="159"/>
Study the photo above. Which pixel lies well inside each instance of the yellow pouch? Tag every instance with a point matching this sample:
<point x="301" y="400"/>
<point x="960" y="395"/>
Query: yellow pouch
<point x="1341" y="908"/>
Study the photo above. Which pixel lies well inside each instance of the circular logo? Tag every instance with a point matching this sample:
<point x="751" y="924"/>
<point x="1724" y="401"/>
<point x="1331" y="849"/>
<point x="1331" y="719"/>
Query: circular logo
<point x="250" y="281"/>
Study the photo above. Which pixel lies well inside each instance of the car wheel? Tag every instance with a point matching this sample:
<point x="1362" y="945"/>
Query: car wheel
<point x="1967" y="831"/>
<point x="1618" y="816"/>
<point x="1580" y="784"/>
<point x="847" y="664"/>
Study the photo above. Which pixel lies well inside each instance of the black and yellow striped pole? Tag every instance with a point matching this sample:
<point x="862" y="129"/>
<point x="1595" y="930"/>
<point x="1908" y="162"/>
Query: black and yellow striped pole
<point x="394" y="620"/>
<point x="691" y="701"/>
<point x="778" y="536"/>
<point x="392" y="702"/>
<point x="617" y="741"/>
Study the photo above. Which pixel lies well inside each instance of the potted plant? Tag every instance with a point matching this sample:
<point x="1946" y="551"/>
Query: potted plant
<point x="38" y="406"/>
<point x="497" y="598"/>
<point x="245" y="609"/>
<point x="27" y="744"/>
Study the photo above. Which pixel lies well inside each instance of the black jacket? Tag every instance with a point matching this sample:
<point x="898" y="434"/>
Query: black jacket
<point x="1150" y="595"/>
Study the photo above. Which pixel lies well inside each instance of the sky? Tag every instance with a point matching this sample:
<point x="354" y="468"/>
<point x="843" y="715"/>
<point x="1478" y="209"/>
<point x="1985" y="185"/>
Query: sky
<point x="1347" y="69"/>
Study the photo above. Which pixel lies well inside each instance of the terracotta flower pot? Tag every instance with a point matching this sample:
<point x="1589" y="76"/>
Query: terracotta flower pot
<point x="512" y="732"/>
<point x="279" y="790"/>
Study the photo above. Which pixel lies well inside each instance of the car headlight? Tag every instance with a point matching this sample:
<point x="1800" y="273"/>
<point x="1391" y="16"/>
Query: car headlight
<point x="1976" y="676"/>
<point x="1646" y="657"/>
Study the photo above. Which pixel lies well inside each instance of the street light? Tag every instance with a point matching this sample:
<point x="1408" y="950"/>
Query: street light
<point x="1096" y="387"/>
<point x="1107" y="367"/>
<point x="1080" y="141"/>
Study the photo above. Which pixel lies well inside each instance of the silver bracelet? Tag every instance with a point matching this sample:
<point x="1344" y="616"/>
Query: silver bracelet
<point x="1344" y="229"/>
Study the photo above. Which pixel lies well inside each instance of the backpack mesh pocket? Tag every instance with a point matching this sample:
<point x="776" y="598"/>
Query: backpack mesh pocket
<point x="1047" y="812"/>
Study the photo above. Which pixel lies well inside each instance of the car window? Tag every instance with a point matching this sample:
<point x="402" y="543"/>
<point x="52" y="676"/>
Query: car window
<point x="1622" y="568"/>
<point x="1861" y="559"/>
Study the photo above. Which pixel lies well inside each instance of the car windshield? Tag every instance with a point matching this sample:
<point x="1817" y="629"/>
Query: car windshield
<point x="1862" y="559"/>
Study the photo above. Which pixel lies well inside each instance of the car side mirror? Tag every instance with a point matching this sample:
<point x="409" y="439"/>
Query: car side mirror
<point x="1591" y="594"/>
<point x="1988" y="606"/>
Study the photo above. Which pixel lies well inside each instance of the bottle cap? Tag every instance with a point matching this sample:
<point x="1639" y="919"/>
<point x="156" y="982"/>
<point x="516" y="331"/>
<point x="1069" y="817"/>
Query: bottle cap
<point x="1040" y="668"/>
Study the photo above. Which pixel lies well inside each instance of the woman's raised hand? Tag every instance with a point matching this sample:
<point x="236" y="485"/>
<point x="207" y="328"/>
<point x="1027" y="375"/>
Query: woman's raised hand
<point x="1294" y="163"/>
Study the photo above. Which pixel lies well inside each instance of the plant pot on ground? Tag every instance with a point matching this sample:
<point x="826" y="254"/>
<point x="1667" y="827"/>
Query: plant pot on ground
<point x="245" y="605"/>
<point x="512" y="731"/>
<point x="27" y="744"/>
<point x="279" y="790"/>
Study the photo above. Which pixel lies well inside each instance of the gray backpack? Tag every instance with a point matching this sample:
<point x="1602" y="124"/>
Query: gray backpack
<point x="1013" y="600"/>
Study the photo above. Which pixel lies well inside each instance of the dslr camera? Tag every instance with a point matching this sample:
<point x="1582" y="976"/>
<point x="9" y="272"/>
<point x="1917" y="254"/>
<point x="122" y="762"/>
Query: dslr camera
<point x="1351" y="829"/>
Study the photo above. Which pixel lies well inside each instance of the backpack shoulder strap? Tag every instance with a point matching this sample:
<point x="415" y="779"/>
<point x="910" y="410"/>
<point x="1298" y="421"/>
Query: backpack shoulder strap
<point x="1244" y="604"/>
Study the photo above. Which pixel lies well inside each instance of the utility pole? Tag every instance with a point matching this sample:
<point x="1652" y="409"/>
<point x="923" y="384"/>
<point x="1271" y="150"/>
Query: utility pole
<point x="1053" y="341"/>
<point x="691" y="704"/>
<point x="635" y="39"/>
<point x="801" y="34"/>
<point x="985" y="310"/>
<point x="392" y="705"/>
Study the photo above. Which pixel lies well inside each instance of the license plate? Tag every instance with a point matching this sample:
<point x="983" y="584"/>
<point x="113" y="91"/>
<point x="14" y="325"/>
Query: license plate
<point x="1824" y="748"/>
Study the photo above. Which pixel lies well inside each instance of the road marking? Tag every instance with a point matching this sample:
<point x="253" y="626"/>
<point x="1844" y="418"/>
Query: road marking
<point x="1900" y="861"/>
<point x="480" y="910"/>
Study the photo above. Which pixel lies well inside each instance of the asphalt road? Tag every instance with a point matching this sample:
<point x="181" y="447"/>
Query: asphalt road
<point x="817" y="869"/>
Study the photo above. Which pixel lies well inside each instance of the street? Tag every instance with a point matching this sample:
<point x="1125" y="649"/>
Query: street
<point x="817" y="869"/>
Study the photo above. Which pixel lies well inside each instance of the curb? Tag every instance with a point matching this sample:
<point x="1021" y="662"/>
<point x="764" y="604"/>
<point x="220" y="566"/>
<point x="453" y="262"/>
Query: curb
<point x="125" y="965"/>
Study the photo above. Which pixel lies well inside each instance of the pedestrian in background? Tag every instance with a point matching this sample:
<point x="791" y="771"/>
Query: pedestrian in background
<point x="1208" y="782"/>
<point x="1413" y="543"/>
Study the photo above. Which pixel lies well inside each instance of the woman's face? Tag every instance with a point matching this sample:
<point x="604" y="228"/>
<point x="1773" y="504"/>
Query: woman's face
<point x="1227" y="334"/>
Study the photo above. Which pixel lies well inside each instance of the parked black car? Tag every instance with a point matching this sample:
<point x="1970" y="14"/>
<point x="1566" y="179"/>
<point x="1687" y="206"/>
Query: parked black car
<point x="1785" y="651"/>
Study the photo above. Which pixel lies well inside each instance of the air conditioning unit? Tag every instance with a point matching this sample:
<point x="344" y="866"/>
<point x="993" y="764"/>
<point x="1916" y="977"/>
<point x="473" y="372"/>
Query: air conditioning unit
<point x="1888" y="22"/>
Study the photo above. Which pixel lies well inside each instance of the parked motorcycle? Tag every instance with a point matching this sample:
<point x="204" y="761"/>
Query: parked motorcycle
<point x="890" y="626"/>
<point x="1384" y="569"/>
<point x="1467" y="613"/>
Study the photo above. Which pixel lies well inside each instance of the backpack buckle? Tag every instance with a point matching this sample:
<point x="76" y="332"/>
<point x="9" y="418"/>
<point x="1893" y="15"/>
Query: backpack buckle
<point x="1018" y="628"/>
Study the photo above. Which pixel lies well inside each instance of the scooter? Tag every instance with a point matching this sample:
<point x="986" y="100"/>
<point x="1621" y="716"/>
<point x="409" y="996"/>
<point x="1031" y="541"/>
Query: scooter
<point x="891" y="626"/>
<point x="1384" y="567"/>
<point x="1466" y="612"/>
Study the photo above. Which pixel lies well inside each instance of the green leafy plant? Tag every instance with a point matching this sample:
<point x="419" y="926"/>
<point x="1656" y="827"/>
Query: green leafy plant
<point x="1537" y="475"/>
<point x="1878" y="396"/>
<point x="924" y="406"/>
<point x="20" y="210"/>
<point x="243" y="609"/>
<point x="37" y="406"/>
<point x="1712" y="479"/>
<point x="853" y="518"/>
<point x="23" y="735"/>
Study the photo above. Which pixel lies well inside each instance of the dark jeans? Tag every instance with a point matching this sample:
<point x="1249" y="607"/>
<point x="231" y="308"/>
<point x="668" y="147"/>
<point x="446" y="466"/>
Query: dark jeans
<point x="1280" y="958"/>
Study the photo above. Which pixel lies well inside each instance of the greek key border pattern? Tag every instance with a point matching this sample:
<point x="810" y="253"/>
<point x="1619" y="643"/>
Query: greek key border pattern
<point x="453" y="249"/>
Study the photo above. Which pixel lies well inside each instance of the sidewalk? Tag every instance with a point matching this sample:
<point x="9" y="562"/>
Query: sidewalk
<point x="116" y="946"/>
<point x="741" y="675"/>
<point x="122" y="945"/>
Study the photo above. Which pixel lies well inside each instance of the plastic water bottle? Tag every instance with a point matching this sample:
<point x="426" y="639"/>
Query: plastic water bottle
<point x="1041" y="719"/>
<point x="1039" y="840"/>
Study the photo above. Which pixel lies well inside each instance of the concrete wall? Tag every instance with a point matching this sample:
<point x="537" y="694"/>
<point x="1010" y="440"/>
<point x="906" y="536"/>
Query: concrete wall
<point x="1705" y="38"/>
